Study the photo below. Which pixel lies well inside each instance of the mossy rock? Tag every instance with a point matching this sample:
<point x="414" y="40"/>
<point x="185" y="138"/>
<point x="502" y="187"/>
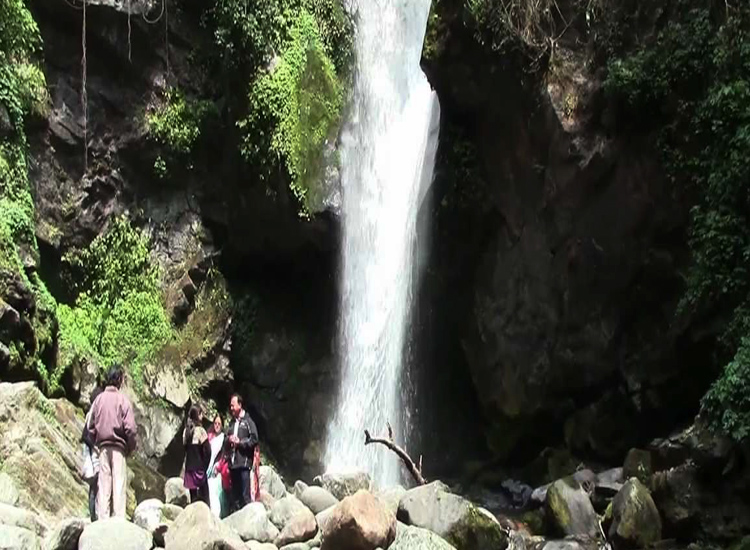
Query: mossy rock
<point x="535" y="521"/>
<point x="635" y="519"/>
<point x="570" y="510"/>
<point x="477" y="531"/>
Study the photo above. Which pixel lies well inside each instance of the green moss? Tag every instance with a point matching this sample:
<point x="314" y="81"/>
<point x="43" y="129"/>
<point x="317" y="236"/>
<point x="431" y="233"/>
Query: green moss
<point x="301" y="98"/>
<point x="476" y="531"/>
<point x="175" y="126"/>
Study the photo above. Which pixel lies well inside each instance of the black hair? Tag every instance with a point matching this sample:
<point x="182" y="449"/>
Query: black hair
<point x="193" y="420"/>
<point x="114" y="376"/>
<point x="236" y="396"/>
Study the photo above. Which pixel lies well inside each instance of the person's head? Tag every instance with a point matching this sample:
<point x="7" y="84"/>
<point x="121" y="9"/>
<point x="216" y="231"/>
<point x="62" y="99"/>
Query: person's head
<point x="235" y="405"/>
<point x="114" y="376"/>
<point x="218" y="424"/>
<point x="195" y="414"/>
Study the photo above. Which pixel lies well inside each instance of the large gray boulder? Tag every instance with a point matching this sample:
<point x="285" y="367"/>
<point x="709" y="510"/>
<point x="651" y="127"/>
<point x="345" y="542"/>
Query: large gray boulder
<point x="409" y="537"/>
<point x="198" y="529"/>
<point x="635" y="519"/>
<point x="176" y="493"/>
<point x="271" y="483"/>
<point x="344" y="485"/>
<point x="149" y="515"/>
<point x="570" y="508"/>
<point x="17" y="538"/>
<point x="300" y="528"/>
<point x="284" y="509"/>
<point x="255" y="545"/>
<point x="452" y="517"/>
<point x="359" y="522"/>
<point x="252" y="523"/>
<point x="117" y="533"/>
<point x="317" y="499"/>
<point x="16" y="517"/>
<point x="65" y="535"/>
<point x="391" y="497"/>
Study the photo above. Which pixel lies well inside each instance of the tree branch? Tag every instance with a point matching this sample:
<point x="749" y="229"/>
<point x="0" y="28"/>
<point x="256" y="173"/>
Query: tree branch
<point x="414" y="470"/>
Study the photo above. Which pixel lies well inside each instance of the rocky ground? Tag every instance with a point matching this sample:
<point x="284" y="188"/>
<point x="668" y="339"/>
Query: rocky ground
<point x="680" y="492"/>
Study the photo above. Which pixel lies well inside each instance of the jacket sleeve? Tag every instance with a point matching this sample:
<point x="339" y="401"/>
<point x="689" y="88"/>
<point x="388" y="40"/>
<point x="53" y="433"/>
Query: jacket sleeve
<point x="128" y="424"/>
<point x="247" y="443"/>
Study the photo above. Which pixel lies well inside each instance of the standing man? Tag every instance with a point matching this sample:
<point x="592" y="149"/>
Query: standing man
<point x="239" y="446"/>
<point x="113" y="430"/>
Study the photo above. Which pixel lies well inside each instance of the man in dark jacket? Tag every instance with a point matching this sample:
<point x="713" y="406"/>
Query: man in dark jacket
<point x="112" y="429"/>
<point x="239" y="446"/>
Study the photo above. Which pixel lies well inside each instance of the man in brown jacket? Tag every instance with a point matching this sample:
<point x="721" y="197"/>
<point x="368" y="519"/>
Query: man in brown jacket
<point x="112" y="428"/>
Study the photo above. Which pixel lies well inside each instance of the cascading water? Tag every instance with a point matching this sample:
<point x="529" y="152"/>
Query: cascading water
<point x="387" y="158"/>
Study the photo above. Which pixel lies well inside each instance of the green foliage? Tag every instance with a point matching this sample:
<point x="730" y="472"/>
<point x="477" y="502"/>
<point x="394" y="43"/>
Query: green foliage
<point x="23" y="92"/>
<point x="119" y="316"/>
<point x="176" y="127"/>
<point x="302" y="98"/>
<point x="694" y="82"/>
<point x="294" y="57"/>
<point x="727" y="403"/>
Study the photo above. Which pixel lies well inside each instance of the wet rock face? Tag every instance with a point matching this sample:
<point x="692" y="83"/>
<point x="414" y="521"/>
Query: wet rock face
<point x="566" y="241"/>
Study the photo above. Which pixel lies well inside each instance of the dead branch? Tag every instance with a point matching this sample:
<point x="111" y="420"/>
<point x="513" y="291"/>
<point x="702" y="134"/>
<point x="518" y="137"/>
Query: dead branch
<point x="414" y="470"/>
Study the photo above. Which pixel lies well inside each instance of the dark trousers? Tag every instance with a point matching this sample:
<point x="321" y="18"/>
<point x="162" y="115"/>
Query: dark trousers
<point x="93" y="489"/>
<point x="201" y="493"/>
<point x="240" y="488"/>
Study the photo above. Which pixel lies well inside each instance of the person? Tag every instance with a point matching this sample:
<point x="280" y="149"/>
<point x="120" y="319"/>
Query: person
<point x="90" y="456"/>
<point x="197" y="456"/>
<point x="239" y="446"/>
<point x="113" y="432"/>
<point x="216" y="495"/>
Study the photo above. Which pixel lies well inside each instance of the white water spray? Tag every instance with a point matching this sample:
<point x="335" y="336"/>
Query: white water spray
<point x="387" y="159"/>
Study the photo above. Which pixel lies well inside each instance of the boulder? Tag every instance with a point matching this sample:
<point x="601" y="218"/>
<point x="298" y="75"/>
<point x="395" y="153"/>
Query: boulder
<point x="8" y="491"/>
<point x="169" y="383"/>
<point x="359" y="522"/>
<point x="570" y="509"/>
<point x="115" y="533"/>
<point x="638" y="465"/>
<point x="171" y="511"/>
<point x="409" y="537"/>
<point x="16" y="517"/>
<point x="65" y="535"/>
<point x="635" y="519"/>
<point x="284" y="509"/>
<point x="271" y="482"/>
<point x="176" y="493"/>
<point x="149" y="515"/>
<point x="391" y="497"/>
<point x="344" y="485"/>
<point x="197" y="528"/>
<point x="317" y="499"/>
<point x="299" y="488"/>
<point x="41" y="452"/>
<point x="255" y="545"/>
<point x="300" y="528"/>
<point x="323" y="517"/>
<point x="17" y="538"/>
<point x="454" y="518"/>
<point x="295" y="546"/>
<point x="252" y="523"/>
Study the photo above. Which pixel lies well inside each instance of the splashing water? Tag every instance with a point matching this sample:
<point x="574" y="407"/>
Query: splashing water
<point x="387" y="159"/>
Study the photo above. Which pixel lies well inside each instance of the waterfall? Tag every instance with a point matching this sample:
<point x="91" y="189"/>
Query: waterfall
<point x="387" y="156"/>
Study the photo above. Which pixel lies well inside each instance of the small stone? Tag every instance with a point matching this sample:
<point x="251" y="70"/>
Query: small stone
<point x="252" y="523"/>
<point x="344" y="485"/>
<point x="17" y="538"/>
<point x="271" y="482"/>
<point x="638" y="465"/>
<point x="176" y="493"/>
<point x="571" y="510"/>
